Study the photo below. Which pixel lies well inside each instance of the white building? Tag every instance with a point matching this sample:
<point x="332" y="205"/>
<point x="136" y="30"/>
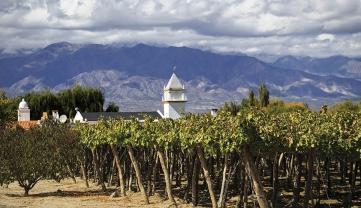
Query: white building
<point x="23" y="111"/>
<point x="174" y="98"/>
<point x="94" y="117"/>
<point x="24" y="116"/>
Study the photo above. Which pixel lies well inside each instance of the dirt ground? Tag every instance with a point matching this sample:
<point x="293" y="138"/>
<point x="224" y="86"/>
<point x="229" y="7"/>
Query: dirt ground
<point x="50" y="194"/>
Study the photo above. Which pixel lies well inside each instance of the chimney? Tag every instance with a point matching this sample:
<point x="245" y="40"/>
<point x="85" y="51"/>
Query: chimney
<point x="45" y="116"/>
<point x="214" y="111"/>
<point x="55" y="115"/>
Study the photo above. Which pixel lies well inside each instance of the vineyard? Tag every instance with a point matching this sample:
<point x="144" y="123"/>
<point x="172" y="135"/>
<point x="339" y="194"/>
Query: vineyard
<point x="298" y="158"/>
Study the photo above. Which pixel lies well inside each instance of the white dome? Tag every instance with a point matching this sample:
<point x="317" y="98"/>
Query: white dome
<point x="23" y="104"/>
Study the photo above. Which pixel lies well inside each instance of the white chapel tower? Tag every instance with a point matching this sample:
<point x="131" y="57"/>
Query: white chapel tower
<point x="23" y="111"/>
<point x="174" y="98"/>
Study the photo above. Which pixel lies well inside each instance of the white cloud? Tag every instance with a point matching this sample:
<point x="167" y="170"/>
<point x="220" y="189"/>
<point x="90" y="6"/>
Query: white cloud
<point x="325" y="37"/>
<point x="299" y="27"/>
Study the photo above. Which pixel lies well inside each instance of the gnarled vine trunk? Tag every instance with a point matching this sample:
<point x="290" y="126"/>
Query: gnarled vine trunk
<point x="195" y="178"/>
<point x="97" y="169"/>
<point x="168" y="182"/>
<point x="275" y="181"/>
<point x="137" y="173"/>
<point x="83" y="170"/>
<point x="308" y="188"/>
<point x="225" y="181"/>
<point x="252" y="171"/>
<point x="297" y="180"/>
<point x="119" y="169"/>
<point x="207" y="176"/>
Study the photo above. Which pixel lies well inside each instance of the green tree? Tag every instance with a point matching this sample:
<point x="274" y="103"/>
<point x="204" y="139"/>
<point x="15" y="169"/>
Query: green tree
<point x="346" y="106"/>
<point x="251" y="98"/>
<point x="85" y="98"/>
<point x="7" y="110"/>
<point x="5" y="174"/>
<point x="263" y="95"/>
<point x="39" y="102"/>
<point x="43" y="151"/>
<point x="2" y="94"/>
<point x="280" y="106"/>
<point x="232" y="107"/>
<point x="112" y="107"/>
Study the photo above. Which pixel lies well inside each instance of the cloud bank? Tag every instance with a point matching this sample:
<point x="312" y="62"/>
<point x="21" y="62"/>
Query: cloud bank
<point x="297" y="27"/>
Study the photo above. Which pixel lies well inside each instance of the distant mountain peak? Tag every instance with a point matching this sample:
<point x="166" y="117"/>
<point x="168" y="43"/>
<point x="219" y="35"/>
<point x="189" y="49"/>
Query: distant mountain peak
<point x="142" y="45"/>
<point x="61" y="47"/>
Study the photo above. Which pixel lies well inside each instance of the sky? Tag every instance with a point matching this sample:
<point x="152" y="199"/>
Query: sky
<point x="316" y="28"/>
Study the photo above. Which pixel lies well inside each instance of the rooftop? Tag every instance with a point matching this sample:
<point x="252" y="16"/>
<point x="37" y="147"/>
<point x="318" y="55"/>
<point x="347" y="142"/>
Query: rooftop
<point x="125" y="115"/>
<point x="28" y="124"/>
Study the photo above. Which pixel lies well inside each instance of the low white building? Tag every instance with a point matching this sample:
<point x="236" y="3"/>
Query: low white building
<point x="94" y="117"/>
<point x="173" y="100"/>
<point x="24" y="116"/>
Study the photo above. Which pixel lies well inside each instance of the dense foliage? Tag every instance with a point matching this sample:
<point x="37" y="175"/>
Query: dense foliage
<point x="284" y="147"/>
<point x="251" y="133"/>
<point x="46" y="151"/>
<point x="7" y="113"/>
<point x="112" y="107"/>
<point x="86" y="99"/>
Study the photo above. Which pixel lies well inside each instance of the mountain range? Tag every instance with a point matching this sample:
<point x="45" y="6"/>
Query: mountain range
<point x="341" y="66"/>
<point x="134" y="76"/>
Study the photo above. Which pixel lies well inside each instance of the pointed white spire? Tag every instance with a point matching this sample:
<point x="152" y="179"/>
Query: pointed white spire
<point x="174" y="83"/>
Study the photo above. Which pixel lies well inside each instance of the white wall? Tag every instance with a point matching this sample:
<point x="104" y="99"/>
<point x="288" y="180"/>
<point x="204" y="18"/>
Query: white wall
<point x="78" y="117"/>
<point x="174" y="110"/>
<point x="24" y="115"/>
<point x="174" y="96"/>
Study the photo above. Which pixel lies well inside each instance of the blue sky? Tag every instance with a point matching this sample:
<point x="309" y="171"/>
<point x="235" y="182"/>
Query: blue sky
<point x="280" y="27"/>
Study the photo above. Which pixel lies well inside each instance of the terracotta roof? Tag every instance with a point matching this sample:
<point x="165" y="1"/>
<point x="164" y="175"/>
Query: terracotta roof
<point x="28" y="124"/>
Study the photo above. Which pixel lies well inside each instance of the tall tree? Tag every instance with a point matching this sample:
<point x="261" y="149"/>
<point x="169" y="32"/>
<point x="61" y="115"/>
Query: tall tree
<point x="43" y="101"/>
<point x="232" y="107"/>
<point x="112" y="107"/>
<point x="7" y="109"/>
<point x="251" y="98"/>
<point x="263" y="95"/>
<point x="85" y="98"/>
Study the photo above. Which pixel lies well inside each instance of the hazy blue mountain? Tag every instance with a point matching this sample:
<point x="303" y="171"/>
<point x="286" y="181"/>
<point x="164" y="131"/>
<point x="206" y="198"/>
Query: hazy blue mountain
<point x="126" y="74"/>
<point x="268" y="58"/>
<point x="334" y="65"/>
